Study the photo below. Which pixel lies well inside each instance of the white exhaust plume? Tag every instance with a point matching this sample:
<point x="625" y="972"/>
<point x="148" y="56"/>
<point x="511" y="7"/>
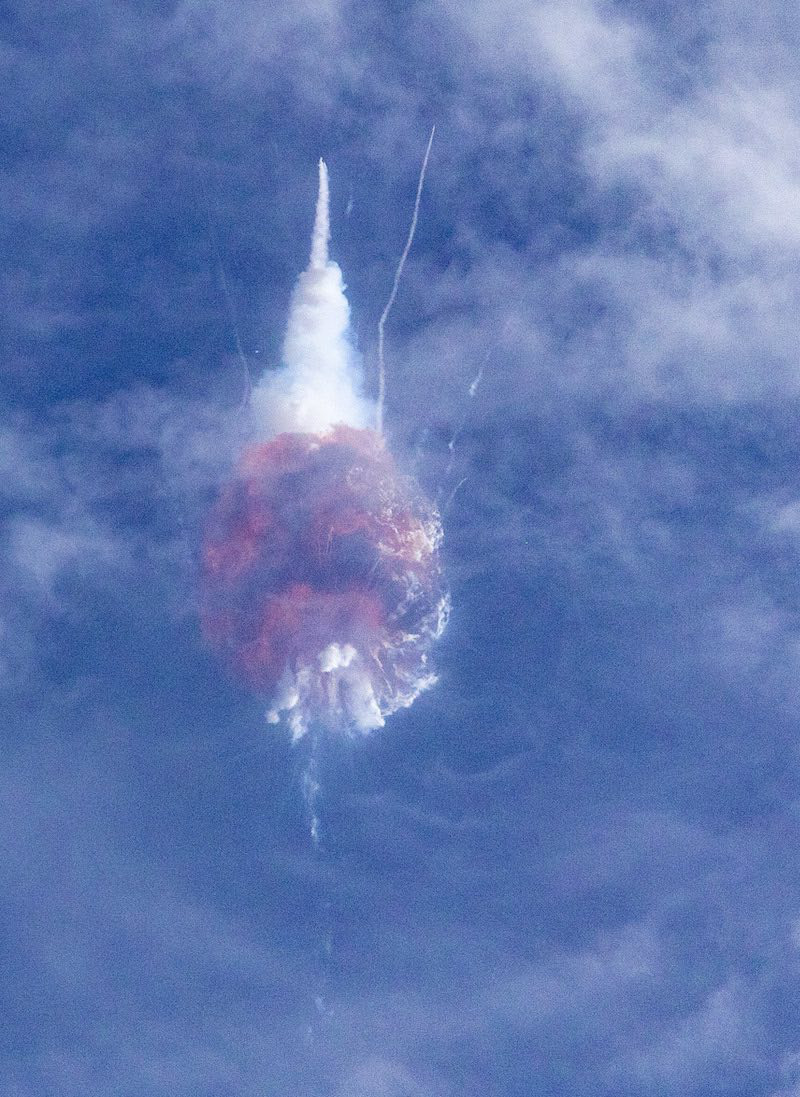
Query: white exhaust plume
<point x="320" y="384"/>
<point x="322" y="222"/>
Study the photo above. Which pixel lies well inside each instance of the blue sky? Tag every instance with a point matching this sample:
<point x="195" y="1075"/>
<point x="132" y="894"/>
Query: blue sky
<point x="571" y="868"/>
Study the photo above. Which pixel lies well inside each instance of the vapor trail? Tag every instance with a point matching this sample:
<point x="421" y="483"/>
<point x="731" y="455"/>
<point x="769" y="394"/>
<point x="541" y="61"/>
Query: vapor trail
<point x="395" y="287"/>
<point x="322" y="223"/>
<point x="311" y="791"/>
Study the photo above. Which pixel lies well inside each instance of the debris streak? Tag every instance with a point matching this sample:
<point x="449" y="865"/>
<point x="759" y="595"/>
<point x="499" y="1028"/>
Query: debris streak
<point x="395" y="287"/>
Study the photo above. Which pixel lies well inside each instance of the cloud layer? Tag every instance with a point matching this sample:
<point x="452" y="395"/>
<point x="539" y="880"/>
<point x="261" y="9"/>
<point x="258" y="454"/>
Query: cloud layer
<point x="573" y="865"/>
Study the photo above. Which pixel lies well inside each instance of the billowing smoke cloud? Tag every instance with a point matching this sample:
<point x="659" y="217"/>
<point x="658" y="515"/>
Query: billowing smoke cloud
<point x="322" y="585"/>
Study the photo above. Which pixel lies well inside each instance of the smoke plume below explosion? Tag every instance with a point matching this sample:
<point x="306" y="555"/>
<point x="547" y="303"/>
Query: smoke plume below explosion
<point x="322" y="586"/>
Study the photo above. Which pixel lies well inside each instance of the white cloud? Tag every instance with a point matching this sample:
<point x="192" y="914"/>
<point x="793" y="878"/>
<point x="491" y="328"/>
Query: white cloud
<point x="234" y="46"/>
<point x="380" y="1077"/>
<point x="43" y="551"/>
<point x="719" y="1040"/>
<point x="695" y="286"/>
<point x="567" y="986"/>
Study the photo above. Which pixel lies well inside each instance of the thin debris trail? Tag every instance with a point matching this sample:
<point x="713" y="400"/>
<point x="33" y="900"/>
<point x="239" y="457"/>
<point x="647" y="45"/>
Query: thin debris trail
<point x="230" y="305"/>
<point x="395" y="286"/>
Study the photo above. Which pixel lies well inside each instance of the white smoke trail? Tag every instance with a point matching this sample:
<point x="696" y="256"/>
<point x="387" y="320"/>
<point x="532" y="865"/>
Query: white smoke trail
<point x="311" y="791"/>
<point x="321" y="383"/>
<point x="322" y="222"/>
<point x="396" y="285"/>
